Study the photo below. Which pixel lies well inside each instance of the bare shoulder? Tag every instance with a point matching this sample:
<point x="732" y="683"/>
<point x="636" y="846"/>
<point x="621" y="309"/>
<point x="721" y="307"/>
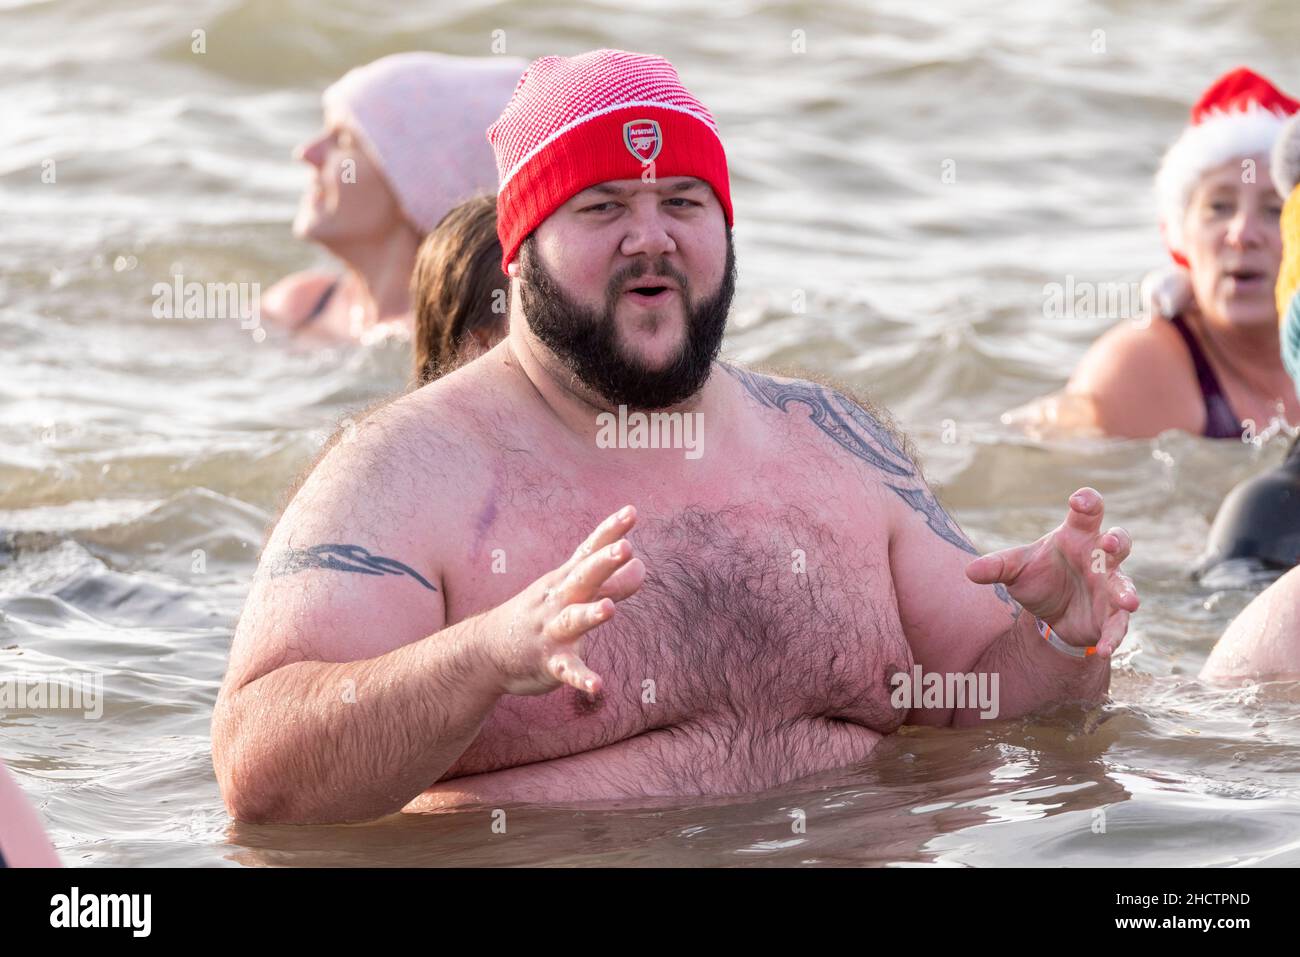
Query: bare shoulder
<point x="404" y="458"/>
<point x="1141" y="381"/>
<point x="292" y="299"/>
<point x="357" y="563"/>
<point x="843" y="433"/>
<point x="843" y="421"/>
<point x="1128" y="344"/>
<point x="411" y="459"/>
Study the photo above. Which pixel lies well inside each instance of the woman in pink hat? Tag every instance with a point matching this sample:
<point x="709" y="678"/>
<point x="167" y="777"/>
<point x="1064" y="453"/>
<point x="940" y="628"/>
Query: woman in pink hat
<point x="22" y="839"/>
<point x="1212" y="364"/>
<point x="404" y="141"/>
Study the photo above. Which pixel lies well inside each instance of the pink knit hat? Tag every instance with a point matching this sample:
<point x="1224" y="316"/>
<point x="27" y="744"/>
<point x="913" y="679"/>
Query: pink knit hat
<point x="577" y="121"/>
<point x="421" y="117"/>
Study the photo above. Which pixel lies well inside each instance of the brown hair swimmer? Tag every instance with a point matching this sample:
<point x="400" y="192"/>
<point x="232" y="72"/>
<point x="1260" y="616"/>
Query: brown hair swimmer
<point x="459" y="293"/>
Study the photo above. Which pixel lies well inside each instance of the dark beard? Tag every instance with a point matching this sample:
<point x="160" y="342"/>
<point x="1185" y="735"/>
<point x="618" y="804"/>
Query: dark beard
<point x="586" y="340"/>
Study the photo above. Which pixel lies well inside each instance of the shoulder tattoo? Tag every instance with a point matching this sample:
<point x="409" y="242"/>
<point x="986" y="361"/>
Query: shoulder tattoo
<point x="340" y="558"/>
<point x="867" y="439"/>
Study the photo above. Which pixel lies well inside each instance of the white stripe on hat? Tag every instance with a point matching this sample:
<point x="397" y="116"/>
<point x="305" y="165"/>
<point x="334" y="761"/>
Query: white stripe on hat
<point x="552" y="137"/>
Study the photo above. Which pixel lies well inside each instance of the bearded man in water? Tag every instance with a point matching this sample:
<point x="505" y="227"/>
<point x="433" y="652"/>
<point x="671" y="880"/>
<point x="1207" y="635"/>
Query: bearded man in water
<point x="421" y="632"/>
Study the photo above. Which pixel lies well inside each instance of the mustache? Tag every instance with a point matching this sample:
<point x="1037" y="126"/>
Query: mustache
<point x="663" y="268"/>
<point x="587" y="341"/>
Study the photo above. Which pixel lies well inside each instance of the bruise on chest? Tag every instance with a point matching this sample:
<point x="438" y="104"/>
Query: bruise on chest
<point x="749" y="619"/>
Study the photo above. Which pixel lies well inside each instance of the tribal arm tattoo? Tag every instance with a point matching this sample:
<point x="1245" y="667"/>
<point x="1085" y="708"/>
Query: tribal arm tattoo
<point x="863" y="436"/>
<point x="341" y="558"/>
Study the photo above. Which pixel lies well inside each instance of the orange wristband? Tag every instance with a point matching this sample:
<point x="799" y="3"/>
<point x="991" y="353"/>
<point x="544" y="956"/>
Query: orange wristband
<point x="1056" y="642"/>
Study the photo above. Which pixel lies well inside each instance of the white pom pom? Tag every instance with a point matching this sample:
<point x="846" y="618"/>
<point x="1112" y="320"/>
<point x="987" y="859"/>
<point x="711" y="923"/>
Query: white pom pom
<point x="1284" y="164"/>
<point x="1167" y="291"/>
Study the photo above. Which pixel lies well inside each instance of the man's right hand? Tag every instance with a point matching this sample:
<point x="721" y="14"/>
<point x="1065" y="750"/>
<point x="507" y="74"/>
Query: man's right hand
<point x="537" y="636"/>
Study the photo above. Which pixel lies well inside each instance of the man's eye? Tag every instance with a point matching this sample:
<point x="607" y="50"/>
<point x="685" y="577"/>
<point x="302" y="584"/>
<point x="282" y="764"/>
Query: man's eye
<point x="1221" y="207"/>
<point x="599" y="207"/>
<point x="683" y="200"/>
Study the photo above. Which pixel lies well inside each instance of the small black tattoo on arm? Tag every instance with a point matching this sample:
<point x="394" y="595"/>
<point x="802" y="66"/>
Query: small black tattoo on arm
<point x="341" y="558"/>
<point x="863" y="436"/>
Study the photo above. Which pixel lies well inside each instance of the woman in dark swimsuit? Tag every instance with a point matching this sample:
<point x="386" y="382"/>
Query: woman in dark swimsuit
<point x="1221" y="228"/>
<point x="1220" y="421"/>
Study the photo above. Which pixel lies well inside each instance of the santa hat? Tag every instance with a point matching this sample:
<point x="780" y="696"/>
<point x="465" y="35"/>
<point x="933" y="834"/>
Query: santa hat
<point x="574" y="122"/>
<point x="1238" y="116"/>
<point x="421" y="117"/>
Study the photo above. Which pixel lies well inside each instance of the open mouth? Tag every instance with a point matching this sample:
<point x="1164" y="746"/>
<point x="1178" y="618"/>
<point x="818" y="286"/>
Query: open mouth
<point x="650" y="293"/>
<point x="1245" y="275"/>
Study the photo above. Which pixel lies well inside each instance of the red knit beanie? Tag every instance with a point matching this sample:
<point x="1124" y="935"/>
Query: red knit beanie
<point x="574" y="122"/>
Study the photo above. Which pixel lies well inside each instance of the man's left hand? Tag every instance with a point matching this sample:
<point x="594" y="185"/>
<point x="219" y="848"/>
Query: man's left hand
<point x="1070" y="577"/>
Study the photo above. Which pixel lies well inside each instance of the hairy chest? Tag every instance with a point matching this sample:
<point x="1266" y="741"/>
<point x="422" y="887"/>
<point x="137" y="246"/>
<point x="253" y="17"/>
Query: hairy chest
<point x="750" y="617"/>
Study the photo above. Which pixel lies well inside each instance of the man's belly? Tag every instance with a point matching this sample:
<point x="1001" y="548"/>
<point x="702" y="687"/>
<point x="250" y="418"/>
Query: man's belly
<point x="733" y="669"/>
<point x="706" y="757"/>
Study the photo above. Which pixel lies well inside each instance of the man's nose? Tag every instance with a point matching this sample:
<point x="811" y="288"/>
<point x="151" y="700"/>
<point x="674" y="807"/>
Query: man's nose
<point x="313" y="151"/>
<point x="648" y="234"/>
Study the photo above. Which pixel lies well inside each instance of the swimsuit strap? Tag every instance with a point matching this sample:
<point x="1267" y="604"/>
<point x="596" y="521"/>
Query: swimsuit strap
<point x="1220" y="421"/>
<point x="321" y="303"/>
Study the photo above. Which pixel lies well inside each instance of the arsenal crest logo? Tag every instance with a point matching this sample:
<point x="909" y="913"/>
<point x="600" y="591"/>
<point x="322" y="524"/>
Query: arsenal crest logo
<point x="643" y="139"/>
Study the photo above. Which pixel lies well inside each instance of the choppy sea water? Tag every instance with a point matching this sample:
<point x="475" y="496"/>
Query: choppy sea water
<point x="907" y="180"/>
